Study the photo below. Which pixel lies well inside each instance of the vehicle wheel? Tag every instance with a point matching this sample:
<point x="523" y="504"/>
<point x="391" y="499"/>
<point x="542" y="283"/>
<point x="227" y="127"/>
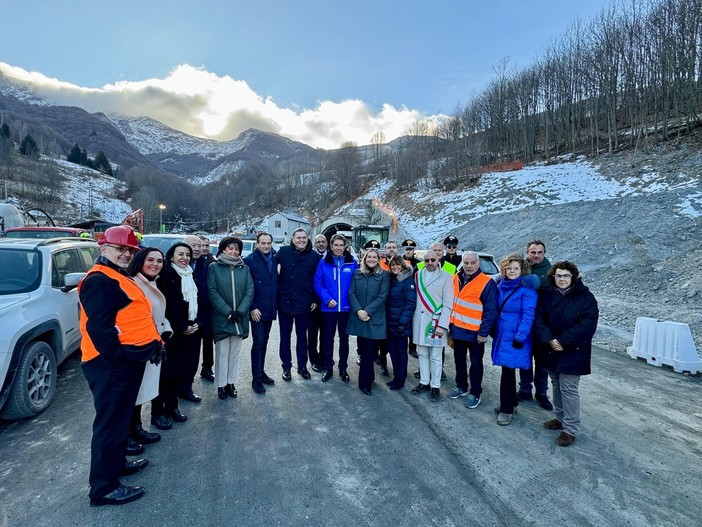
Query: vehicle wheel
<point x="34" y="384"/>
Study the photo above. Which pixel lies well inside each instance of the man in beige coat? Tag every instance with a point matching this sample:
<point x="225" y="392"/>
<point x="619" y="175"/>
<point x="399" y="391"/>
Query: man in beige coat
<point x="431" y="321"/>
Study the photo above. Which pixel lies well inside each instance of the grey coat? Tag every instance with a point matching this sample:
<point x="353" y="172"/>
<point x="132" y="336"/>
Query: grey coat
<point x="368" y="292"/>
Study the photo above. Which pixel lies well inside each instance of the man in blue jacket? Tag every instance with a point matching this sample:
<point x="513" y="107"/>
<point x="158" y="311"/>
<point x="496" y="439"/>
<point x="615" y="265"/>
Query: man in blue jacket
<point x="263" y="265"/>
<point x="296" y="299"/>
<point x="332" y="282"/>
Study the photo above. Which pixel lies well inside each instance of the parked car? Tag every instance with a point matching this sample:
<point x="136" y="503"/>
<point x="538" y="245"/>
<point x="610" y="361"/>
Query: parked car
<point x="44" y="232"/>
<point x="38" y="317"/>
<point x="161" y="241"/>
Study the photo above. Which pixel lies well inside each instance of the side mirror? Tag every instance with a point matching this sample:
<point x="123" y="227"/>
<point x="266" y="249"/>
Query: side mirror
<point x="71" y="281"/>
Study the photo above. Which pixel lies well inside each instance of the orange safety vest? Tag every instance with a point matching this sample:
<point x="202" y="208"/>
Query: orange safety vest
<point x="134" y="323"/>
<point x="384" y="264"/>
<point x="467" y="308"/>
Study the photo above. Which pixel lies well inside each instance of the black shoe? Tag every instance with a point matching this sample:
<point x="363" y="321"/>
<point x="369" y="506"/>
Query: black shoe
<point x="413" y="353"/>
<point x="317" y="368"/>
<point x="366" y="391"/>
<point x="443" y="375"/>
<point x="384" y="371"/>
<point x="122" y="494"/>
<point x="416" y="374"/>
<point x="286" y="375"/>
<point x="134" y="448"/>
<point x="231" y="391"/>
<point x="207" y="375"/>
<point x="190" y="396"/>
<point x="544" y="402"/>
<point x="524" y="396"/>
<point x="328" y="374"/>
<point x="222" y="393"/>
<point x="304" y="373"/>
<point x="344" y="376"/>
<point x="132" y="467"/>
<point x="161" y="422"/>
<point x="265" y="379"/>
<point x="420" y="388"/>
<point x="397" y="386"/>
<point x="178" y="416"/>
<point x="140" y="435"/>
<point x="258" y="387"/>
<point x="435" y="396"/>
<point x="390" y="383"/>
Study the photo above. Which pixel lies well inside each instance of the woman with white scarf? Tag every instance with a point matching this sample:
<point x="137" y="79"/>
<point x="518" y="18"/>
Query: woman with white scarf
<point x="231" y="291"/>
<point x="177" y="285"/>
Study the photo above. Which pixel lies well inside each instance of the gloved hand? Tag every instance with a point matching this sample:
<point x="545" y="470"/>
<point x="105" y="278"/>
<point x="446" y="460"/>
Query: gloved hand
<point x="166" y="335"/>
<point x="158" y="356"/>
<point x="517" y="345"/>
<point x="400" y="330"/>
<point x="235" y="316"/>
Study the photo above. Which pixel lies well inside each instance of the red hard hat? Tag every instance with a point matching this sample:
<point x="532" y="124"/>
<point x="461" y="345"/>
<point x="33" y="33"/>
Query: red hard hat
<point x="120" y="235"/>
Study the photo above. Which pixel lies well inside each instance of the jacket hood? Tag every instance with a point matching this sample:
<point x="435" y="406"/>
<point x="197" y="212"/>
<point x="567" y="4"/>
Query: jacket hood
<point x="531" y="281"/>
<point x="329" y="258"/>
<point x="402" y="275"/>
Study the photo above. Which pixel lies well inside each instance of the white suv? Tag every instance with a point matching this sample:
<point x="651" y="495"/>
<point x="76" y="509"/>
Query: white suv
<point x="38" y="317"/>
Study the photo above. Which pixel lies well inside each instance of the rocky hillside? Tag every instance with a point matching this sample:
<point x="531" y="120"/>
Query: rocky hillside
<point x="631" y="221"/>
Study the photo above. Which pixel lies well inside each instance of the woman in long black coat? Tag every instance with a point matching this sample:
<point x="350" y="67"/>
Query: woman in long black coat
<point x="399" y="309"/>
<point x="566" y="320"/>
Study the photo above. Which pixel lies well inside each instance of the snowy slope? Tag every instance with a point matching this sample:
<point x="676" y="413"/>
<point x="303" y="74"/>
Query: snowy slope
<point x="433" y="214"/>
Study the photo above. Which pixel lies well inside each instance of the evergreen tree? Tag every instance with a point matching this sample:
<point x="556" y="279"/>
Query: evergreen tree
<point x="29" y="147"/>
<point x="75" y="155"/>
<point x="102" y="164"/>
<point x="5" y="132"/>
<point x="85" y="160"/>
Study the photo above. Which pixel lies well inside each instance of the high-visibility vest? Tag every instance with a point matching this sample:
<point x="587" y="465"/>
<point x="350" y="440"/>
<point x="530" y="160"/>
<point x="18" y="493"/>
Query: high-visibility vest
<point x="467" y="307"/>
<point x="446" y="266"/>
<point x="134" y="323"/>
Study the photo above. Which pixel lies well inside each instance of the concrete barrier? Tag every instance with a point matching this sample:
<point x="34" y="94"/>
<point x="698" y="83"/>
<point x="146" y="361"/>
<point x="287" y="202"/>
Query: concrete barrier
<point x="665" y="342"/>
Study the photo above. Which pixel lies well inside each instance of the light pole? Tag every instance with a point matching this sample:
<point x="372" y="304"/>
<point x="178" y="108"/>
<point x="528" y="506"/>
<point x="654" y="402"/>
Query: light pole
<point x="161" y="226"/>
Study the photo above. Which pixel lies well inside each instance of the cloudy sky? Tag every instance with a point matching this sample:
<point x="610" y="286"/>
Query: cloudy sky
<point x="317" y="71"/>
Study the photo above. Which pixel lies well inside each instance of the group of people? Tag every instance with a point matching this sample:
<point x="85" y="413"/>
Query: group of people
<point x="139" y="307"/>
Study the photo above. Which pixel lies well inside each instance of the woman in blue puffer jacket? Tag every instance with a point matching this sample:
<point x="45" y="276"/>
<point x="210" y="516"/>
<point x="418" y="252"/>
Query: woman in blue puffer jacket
<point x="511" y="343"/>
<point x="399" y="309"/>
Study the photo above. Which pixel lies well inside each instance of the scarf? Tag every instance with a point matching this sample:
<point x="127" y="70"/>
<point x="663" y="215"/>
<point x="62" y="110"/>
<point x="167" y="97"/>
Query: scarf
<point x="188" y="289"/>
<point x="230" y="260"/>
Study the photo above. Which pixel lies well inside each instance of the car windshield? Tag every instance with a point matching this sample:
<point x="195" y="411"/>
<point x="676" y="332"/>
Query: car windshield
<point x="21" y="271"/>
<point x="488" y="266"/>
<point x="49" y="233"/>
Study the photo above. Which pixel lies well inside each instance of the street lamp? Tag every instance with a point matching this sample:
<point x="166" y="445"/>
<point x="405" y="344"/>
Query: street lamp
<point x="161" y="226"/>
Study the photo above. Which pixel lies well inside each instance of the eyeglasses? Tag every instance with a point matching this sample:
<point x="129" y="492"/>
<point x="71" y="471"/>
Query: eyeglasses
<point x="429" y="259"/>
<point x="562" y="276"/>
<point x="514" y="269"/>
<point x="409" y="248"/>
<point x="451" y="246"/>
<point x="123" y="250"/>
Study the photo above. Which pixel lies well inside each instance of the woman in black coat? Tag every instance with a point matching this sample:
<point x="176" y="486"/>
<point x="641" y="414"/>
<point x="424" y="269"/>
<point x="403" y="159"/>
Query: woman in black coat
<point x="399" y="309"/>
<point x="566" y="320"/>
<point x="178" y="286"/>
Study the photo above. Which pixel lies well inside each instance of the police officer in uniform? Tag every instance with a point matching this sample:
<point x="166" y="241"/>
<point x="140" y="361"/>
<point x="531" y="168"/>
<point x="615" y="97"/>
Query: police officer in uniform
<point x="451" y="256"/>
<point x="408" y="247"/>
<point x="119" y="337"/>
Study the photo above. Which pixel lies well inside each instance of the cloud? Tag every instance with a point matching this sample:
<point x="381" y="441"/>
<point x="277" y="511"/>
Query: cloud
<point x="204" y="104"/>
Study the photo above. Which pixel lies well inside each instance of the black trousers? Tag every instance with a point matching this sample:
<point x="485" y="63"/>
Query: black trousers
<point x="190" y="351"/>
<point x="508" y="390"/>
<point x="315" y="335"/>
<point x="366" y="371"/>
<point x="115" y="388"/>
<point x="330" y="323"/>
<point x="397" y="346"/>
<point x="461" y="350"/>
<point x="285" y="322"/>
<point x="260" y="331"/>
<point x="208" y="353"/>
<point x="180" y="350"/>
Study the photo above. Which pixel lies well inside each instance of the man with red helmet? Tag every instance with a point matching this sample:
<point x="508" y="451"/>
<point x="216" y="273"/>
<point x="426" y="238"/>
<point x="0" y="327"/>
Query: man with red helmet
<point x="119" y="336"/>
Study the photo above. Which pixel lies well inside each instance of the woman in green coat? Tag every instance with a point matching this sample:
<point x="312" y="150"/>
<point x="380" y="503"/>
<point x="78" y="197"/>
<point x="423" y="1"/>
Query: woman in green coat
<point x="231" y="291"/>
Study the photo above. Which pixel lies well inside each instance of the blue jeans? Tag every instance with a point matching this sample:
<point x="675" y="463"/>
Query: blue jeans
<point x="476" y="350"/>
<point x="260" y="332"/>
<point x="301" y="322"/>
<point x="538" y="376"/>
<point x="397" y="346"/>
